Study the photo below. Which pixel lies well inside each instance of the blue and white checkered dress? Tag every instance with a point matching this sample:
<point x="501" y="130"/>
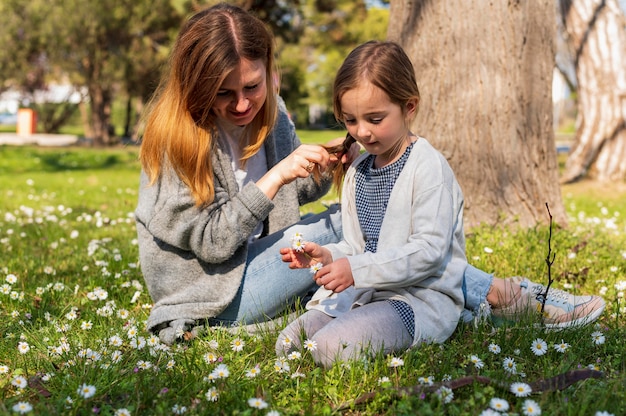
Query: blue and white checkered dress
<point x="373" y="189"/>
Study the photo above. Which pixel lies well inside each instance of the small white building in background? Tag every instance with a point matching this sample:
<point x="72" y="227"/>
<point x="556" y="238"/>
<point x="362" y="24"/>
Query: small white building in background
<point x="12" y="100"/>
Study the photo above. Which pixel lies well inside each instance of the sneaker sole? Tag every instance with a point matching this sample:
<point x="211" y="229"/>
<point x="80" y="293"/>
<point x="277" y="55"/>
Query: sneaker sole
<point x="578" y="322"/>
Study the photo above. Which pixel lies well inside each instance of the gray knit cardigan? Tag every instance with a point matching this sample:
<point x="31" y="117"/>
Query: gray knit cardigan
<point x="193" y="259"/>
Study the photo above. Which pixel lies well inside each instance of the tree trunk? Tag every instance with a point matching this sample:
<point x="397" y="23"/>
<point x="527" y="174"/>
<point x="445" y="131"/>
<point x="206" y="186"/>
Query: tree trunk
<point x="597" y="39"/>
<point x="100" y="100"/>
<point x="485" y="74"/>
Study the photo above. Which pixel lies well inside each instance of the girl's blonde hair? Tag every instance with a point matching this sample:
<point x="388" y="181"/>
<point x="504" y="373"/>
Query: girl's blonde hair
<point x="383" y="64"/>
<point x="180" y="126"/>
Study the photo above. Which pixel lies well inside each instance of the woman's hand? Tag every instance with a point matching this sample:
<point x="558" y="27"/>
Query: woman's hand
<point x="347" y="156"/>
<point x="299" y="164"/>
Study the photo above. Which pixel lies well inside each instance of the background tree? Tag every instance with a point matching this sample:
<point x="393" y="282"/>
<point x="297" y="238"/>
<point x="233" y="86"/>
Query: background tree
<point x="485" y="74"/>
<point x="595" y="32"/>
<point x="102" y="46"/>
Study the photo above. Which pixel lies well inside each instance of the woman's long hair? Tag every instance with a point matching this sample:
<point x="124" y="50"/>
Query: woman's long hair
<point x="180" y="126"/>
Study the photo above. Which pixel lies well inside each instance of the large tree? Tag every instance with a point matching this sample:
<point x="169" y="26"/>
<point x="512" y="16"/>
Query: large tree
<point x="485" y="74"/>
<point x="595" y="31"/>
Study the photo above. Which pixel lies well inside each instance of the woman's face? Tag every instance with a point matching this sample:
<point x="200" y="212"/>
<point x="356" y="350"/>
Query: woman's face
<point x="242" y="94"/>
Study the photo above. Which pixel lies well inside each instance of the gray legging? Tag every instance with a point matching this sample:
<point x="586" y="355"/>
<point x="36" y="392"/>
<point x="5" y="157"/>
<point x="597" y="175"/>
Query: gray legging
<point x="369" y="329"/>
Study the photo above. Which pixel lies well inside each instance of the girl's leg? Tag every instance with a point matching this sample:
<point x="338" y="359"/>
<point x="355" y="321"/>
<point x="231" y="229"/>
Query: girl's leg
<point x="290" y="338"/>
<point x="368" y="329"/>
<point x="268" y="286"/>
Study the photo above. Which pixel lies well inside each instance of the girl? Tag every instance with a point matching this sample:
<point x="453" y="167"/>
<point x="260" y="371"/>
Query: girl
<point x="395" y="278"/>
<point x="399" y="276"/>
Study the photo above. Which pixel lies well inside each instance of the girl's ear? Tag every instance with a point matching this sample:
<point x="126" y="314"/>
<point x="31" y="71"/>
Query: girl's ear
<point x="411" y="107"/>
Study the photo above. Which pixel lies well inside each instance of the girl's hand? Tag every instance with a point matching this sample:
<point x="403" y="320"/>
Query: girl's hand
<point x="335" y="276"/>
<point x="310" y="255"/>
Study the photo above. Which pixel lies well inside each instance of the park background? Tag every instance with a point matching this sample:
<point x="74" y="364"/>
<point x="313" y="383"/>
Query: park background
<point x="72" y="297"/>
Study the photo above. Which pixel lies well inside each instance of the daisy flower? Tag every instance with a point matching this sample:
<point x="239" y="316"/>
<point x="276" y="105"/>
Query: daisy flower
<point x="23" y="347"/>
<point x="210" y="357"/>
<point x="521" y="389"/>
<point x="316" y="267"/>
<point x="478" y="363"/>
<point x="396" y="362"/>
<point x="257" y="403"/>
<point x="237" y="344"/>
<point x="221" y="371"/>
<point x="539" y="347"/>
<point x="297" y="242"/>
<point x="489" y="412"/>
<point x="294" y="355"/>
<point x="178" y="409"/>
<point x="4" y="369"/>
<point x="426" y="381"/>
<point x="212" y="394"/>
<point x="286" y="342"/>
<point x="494" y="348"/>
<point x="310" y="345"/>
<point x="531" y="408"/>
<point x="122" y="412"/>
<point x="19" y="382"/>
<point x="253" y="372"/>
<point x="445" y="394"/>
<point x="562" y="347"/>
<point x="86" y="391"/>
<point x="598" y="337"/>
<point x="603" y="413"/>
<point x="498" y="404"/>
<point x="509" y="365"/>
<point x="22" y="407"/>
<point x="383" y="380"/>
<point x="281" y="366"/>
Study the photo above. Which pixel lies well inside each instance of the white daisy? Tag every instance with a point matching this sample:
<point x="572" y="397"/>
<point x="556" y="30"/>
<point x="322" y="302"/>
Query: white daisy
<point x="498" y="404"/>
<point x="539" y="347"/>
<point x="531" y="408"/>
<point x="562" y="347"/>
<point x="521" y="389"/>
<point x="257" y="403"/>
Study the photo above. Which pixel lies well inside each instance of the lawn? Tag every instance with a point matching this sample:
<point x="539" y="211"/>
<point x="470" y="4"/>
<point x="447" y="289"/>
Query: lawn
<point x="73" y="307"/>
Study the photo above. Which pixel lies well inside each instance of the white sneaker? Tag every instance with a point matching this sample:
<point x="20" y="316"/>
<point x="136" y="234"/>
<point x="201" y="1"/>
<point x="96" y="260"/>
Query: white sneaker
<point x="561" y="310"/>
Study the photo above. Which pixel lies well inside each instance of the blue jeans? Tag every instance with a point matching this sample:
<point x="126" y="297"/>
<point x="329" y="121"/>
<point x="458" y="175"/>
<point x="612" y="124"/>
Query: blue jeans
<point x="269" y="287"/>
<point x="476" y="284"/>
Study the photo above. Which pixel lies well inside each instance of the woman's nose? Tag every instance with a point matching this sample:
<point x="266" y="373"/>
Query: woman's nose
<point x="241" y="103"/>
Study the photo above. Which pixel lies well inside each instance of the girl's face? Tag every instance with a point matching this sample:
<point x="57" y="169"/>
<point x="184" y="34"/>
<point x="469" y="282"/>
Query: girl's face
<point x="375" y="122"/>
<point x="242" y="94"/>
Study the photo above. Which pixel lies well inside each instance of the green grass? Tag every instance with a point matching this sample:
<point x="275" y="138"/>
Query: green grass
<point x="73" y="307"/>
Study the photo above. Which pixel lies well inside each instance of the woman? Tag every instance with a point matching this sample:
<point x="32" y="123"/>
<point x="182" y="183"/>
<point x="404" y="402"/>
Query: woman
<point x="223" y="177"/>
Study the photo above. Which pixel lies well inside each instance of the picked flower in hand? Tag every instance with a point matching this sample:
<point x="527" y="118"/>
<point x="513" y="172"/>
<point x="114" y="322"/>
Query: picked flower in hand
<point x="316" y="267"/>
<point x="297" y="242"/>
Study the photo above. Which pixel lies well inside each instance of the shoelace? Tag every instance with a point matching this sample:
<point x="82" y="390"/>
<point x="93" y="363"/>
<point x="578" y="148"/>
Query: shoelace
<point x="553" y="294"/>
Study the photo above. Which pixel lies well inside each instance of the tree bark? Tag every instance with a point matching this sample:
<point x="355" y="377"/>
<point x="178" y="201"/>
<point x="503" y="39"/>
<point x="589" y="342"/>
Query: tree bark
<point x="485" y="74"/>
<point x="596" y="35"/>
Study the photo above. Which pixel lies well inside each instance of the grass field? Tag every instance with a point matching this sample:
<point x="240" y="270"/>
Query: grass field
<point x="73" y="306"/>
